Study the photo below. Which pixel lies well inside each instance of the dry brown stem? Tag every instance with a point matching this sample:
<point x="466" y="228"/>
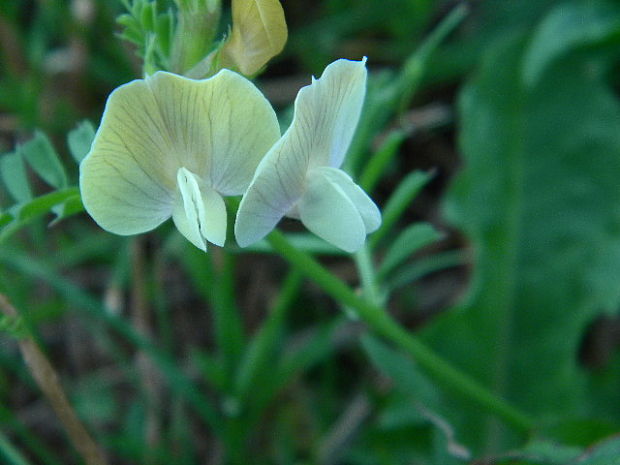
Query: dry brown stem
<point x="48" y="381"/>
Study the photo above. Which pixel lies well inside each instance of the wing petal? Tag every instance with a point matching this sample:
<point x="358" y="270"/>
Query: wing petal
<point x="368" y="210"/>
<point x="327" y="211"/>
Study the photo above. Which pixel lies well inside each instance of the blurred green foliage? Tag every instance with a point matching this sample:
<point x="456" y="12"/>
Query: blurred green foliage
<point x="539" y="198"/>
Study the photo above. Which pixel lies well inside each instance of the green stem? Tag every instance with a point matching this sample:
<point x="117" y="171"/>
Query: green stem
<point x="381" y="322"/>
<point x="363" y="260"/>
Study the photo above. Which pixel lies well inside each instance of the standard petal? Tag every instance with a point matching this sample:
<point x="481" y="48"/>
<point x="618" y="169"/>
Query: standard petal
<point x="220" y="128"/>
<point x="277" y="185"/>
<point x="327" y="211"/>
<point x="368" y="210"/>
<point x="200" y="212"/>
<point x="123" y="179"/>
<point x="328" y="110"/>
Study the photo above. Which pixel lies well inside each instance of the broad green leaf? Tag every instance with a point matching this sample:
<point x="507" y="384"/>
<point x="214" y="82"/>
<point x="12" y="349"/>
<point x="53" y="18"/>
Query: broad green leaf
<point x="42" y="156"/>
<point x="258" y="34"/>
<point x="538" y="198"/>
<point x="409" y="241"/>
<point x="568" y="27"/>
<point x="14" y="176"/>
<point x="80" y="139"/>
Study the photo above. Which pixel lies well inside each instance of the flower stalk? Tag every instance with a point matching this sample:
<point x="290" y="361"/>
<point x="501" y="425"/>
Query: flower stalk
<point x="382" y="323"/>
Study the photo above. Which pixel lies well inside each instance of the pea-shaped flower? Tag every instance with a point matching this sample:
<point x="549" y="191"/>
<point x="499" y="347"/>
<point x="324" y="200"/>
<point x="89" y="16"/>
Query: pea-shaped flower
<point x="300" y="176"/>
<point x="172" y="146"/>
